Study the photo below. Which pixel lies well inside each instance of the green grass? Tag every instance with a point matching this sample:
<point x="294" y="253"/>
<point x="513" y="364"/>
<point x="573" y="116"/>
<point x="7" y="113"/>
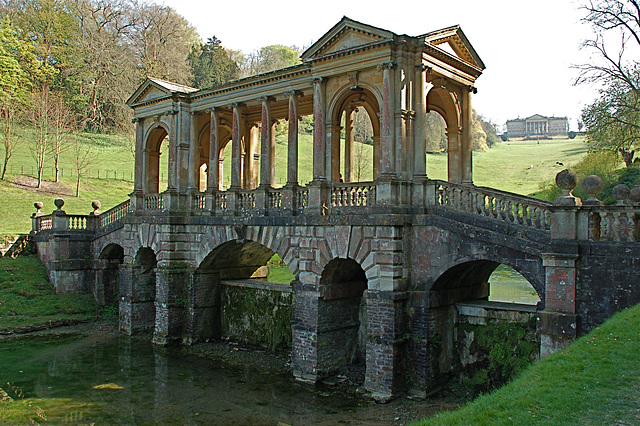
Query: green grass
<point x="596" y="380"/>
<point x="28" y="299"/>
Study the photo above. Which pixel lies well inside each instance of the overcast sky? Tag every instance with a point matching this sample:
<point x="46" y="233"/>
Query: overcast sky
<point x="528" y="47"/>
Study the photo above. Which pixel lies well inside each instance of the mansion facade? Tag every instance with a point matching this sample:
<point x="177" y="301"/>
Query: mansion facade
<point x="538" y="125"/>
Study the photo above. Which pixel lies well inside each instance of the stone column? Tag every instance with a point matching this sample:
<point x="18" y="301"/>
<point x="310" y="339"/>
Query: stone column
<point x="333" y="154"/>
<point x="292" y="153"/>
<point x="467" y="136"/>
<point x="349" y="144"/>
<point x="419" y="129"/>
<point x="251" y="163"/>
<point x="236" y="139"/>
<point x="138" y="181"/>
<point x="214" y="152"/>
<point x="183" y="149"/>
<point x="194" y="154"/>
<point x="454" y="160"/>
<point x="172" y="173"/>
<point x="136" y="303"/>
<point x="319" y="173"/>
<point x="267" y="144"/>
<point x="387" y="134"/>
<point x="304" y="351"/>
<point x="172" y="301"/>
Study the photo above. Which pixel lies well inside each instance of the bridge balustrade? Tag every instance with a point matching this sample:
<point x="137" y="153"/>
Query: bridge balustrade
<point x="611" y="223"/>
<point x="43" y="223"/>
<point x="362" y="194"/>
<point x="503" y="206"/>
<point x="114" y="214"/>
<point x="154" y="202"/>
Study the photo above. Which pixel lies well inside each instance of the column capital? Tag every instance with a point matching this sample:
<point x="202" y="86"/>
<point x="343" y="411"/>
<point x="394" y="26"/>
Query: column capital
<point x="387" y="65"/>
<point x="292" y="93"/>
<point x="472" y="89"/>
<point x="195" y="113"/>
<point x="264" y="99"/>
<point x="212" y="109"/>
<point x="236" y="105"/>
<point x="136" y="120"/>
<point x="317" y="80"/>
<point x="172" y="111"/>
<point x="423" y="67"/>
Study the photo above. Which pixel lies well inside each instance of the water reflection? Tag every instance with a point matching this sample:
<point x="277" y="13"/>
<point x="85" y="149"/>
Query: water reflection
<point x="506" y="285"/>
<point x="169" y="386"/>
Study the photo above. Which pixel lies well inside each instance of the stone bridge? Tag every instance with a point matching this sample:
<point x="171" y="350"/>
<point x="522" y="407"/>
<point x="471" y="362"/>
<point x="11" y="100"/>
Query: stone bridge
<point x="379" y="266"/>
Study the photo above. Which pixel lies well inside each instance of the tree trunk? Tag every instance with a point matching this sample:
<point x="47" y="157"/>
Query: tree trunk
<point x="627" y="156"/>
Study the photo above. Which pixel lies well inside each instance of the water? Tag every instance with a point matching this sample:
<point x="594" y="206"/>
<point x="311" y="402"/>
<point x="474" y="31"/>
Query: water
<point x="506" y="285"/>
<point x="55" y="377"/>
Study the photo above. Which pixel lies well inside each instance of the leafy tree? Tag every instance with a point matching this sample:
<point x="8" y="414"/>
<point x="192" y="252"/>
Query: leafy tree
<point x="14" y="83"/>
<point x="269" y="58"/>
<point x="211" y="64"/>
<point x="435" y="133"/>
<point x="612" y="121"/>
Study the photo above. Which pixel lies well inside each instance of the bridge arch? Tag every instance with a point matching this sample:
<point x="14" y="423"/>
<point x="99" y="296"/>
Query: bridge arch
<point x="106" y="283"/>
<point x="342" y="317"/>
<point x="478" y="269"/>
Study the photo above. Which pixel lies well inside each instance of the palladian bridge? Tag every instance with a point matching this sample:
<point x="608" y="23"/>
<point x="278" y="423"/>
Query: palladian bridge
<point x="383" y="269"/>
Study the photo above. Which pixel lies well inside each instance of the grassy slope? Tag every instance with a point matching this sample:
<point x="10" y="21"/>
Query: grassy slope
<point x="27" y="298"/>
<point x="506" y="166"/>
<point x="594" y="381"/>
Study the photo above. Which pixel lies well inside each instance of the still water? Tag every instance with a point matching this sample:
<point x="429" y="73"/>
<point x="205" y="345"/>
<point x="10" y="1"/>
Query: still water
<point x="55" y="378"/>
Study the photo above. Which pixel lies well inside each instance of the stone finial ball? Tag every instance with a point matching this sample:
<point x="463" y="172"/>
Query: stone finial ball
<point x="621" y="192"/>
<point x="592" y="184"/>
<point x="634" y="195"/>
<point x="96" y="204"/>
<point x="59" y="202"/>
<point x="567" y="179"/>
<point x="38" y="205"/>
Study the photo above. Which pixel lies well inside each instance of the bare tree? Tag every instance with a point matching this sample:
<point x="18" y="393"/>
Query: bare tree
<point x="62" y="125"/>
<point x="83" y="157"/>
<point x="40" y="117"/>
<point x="362" y="161"/>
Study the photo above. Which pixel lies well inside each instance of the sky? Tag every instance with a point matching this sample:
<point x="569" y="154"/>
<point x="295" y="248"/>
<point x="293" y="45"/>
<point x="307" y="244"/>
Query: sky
<point x="528" y="47"/>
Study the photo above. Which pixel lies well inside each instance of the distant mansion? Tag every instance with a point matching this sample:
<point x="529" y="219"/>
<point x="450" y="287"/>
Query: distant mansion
<point x="538" y="125"/>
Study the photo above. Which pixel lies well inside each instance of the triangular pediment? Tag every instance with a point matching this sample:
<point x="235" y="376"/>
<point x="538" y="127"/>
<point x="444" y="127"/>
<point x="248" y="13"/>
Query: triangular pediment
<point x="537" y="117"/>
<point x="153" y="88"/>
<point x="453" y="41"/>
<point x="345" y="35"/>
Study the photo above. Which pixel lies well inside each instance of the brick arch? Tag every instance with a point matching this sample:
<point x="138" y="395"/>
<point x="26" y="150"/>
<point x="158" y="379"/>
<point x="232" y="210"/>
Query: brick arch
<point x="143" y="235"/>
<point x="275" y="238"/>
<point x="348" y="242"/>
<point x="468" y="263"/>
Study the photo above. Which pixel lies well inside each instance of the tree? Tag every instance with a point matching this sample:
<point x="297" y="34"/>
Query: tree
<point x="105" y="72"/>
<point x="62" y="125"/>
<point x="14" y="83"/>
<point x="211" y="64"/>
<point x="435" y="133"/>
<point x="162" y="40"/>
<point x="611" y="122"/>
<point x="40" y="115"/>
<point x="269" y="58"/>
<point x="83" y="157"/>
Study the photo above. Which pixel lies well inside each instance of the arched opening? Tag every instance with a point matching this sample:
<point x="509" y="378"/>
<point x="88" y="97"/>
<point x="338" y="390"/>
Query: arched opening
<point x="143" y="291"/>
<point x="235" y="301"/>
<point x="155" y="154"/>
<point x="469" y="322"/>
<point x="355" y="137"/>
<point x="436" y="146"/>
<point x="342" y="317"/>
<point x="107" y="276"/>
<point x="444" y="99"/>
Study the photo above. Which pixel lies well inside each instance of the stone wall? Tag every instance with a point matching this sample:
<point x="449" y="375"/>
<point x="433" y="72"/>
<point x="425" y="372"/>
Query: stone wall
<point x="257" y="313"/>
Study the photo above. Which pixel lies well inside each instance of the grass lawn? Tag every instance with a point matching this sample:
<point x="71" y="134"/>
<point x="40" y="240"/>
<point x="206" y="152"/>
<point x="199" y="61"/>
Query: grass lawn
<point x="28" y="299"/>
<point x="596" y="380"/>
